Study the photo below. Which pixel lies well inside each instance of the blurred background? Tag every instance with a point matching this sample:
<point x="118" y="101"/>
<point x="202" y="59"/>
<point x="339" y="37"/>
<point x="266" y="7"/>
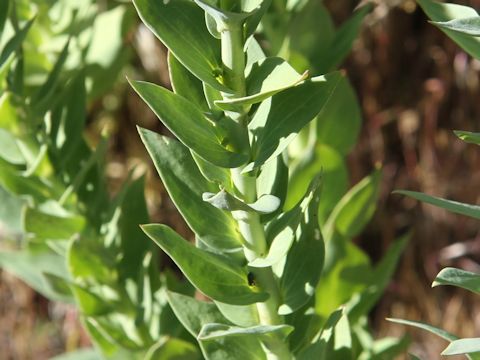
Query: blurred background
<point x="414" y="85"/>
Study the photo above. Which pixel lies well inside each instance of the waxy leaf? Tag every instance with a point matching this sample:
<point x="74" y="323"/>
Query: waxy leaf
<point x="215" y="331"/>
<point x="244" y="316"/>
<point x="212" y="275"/>
<point x="185" y="84"/>
<point x="193" y="313"/>
<point x="267" y="77"/>
<point x="265" y="204"/>
<point x="443" y="12"/>
<point x="189" y="124"/>
<point x="434" y="330"/>
<point x="180" y="25"/>
<point x="453" y="206"/>
<point x="469" y="137"/>
<point x="462" y="346"/>
<point x="279" y="119"/>
<point x="468" y="26"/>
<point x="212" y="173"/>
<point x="304" y="263"/>
<point x="10" y="151"/>
<point x="457" y="277"/>
<point x="51" y="227"/>
<point x="185" y="186"/>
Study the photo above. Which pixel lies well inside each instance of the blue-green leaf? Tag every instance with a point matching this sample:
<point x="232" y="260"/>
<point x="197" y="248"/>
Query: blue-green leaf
<point x="214" y="276"/>
<point x="180" y="25"/>
<point x="453" y="206"/>
<point x="467" y="26"/>
<point x="457" y="277"/>
<point x="280" y="118"/>
<point x="216" y="331"/>
<point x="463" y="346"/>
<point x="443" y="12"/>
<point x="189" y="124"/>
<point x="267" y="77"/>
<point x="185" y="186"/>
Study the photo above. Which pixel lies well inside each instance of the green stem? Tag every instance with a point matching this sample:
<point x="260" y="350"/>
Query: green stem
<point x="233" y="58"/>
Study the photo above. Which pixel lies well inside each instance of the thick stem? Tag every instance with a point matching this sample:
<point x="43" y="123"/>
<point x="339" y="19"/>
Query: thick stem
<point x="233" y="58"/>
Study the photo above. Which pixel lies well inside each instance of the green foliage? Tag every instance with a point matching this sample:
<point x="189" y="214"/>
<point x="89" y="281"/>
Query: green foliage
<point x="273" y="231"/>
<point x="65" y="236"/>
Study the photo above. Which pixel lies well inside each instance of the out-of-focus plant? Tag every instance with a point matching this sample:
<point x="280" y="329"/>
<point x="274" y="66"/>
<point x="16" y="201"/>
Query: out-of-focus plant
<point x="462" y="24"/>
<point x="61" y="232"/>
<point x="273" y="234"/>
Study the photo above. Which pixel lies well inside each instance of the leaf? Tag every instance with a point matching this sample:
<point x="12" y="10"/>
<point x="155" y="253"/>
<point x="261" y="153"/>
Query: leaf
<point x="15" y="42"/>
<point x="338" y="126"/>
<point x="457" y="277"/>
<point x="189" y="124"/>
<point x="233" y="348"/>
<point x="307" y="47"/>
<point x="4" y="11"/>
<point x="11" y="213"/>
<point x="213" y="173"/>
<point x="82" y="354"/>
<point x="172" y="349"/>
<point x="216" y="331"/>
<point x="180" y="25"/>
<point x="185" y="186"/>
<point x="463" y="346"/>
<point x="193" y="313"/>
<point x="51" y="227"/>
<point x="468" y="26"/>
<point x="215" y="277"/>
<point x="344" y="37"/>
<point x="267" y="77"/>
<point x="245" y="316"/>
<point x="331" y="165"/>
<point x="222" y="200"/>
<point x="355" y="209"/>
<point x="469" y="137"/>
<point x="439" y="332"/>
<point x="133" y="244"/>
<point x="442" y="12"/>
<point x="30" y="267"/>
<point x="304" y="263"/>
<point x="10" y="151"/>
<point x="277" y="121"/>
<point x="452" y="206"/>
<point x="362" y="304"/>
<point x="41" y="100"/>
<point x="185" y="84"/>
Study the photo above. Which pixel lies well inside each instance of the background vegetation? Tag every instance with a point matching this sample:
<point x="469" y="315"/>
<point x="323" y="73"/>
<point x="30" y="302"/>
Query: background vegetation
<point x="414" y="87"/>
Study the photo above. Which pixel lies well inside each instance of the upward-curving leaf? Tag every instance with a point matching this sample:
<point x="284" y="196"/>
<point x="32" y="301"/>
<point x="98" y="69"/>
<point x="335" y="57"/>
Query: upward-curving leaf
<point x="211" y="274"/>
<point x="180" y="25"/>
<point x="189" y="124"/>
<point x="468" y="26"/>
<point x="443" y="12"/>
<point x="279" y="119"/>
<point x="453" y="206"/>
<point x="457" y="277"/>
<point x="185" y="185"/>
